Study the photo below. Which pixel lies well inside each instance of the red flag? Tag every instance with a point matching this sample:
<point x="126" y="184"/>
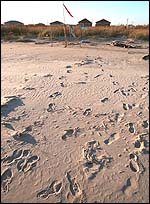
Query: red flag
<point x="67" y="10"/>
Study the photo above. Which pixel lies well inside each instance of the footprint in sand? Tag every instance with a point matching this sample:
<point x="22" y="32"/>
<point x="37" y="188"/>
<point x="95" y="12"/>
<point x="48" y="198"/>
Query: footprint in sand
<point x="87" y="112"/>
<point x="73" y="185"/>
<point x="17" y="154"/>
<point x="22" y="161"/>
<point x="51" y="107"/>
<point x="113" y="137"/>
<point x="30" y="163"/>
<point x="130" y="186"/>
<point x="54" y="188"/>
<point x="20" y="164"/>
<point x="135" y="163"/>
<point x="6" y="178"/>
<point x="54" y="95"/>
<point x="7" y="125"/>
<point x="95" y="159"/>
<point x="127" y="185"/>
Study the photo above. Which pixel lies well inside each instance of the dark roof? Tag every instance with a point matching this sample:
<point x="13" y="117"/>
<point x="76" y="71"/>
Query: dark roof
<point x="84" y="20"/>
<point x="40" y="24"/>
<point x="103" y="20"/>
<point x="56" y="22"/>
<point x="13" y="22"/>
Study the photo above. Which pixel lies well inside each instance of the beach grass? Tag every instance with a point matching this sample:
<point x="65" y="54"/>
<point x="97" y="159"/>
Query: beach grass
<point x="10" y="32"/>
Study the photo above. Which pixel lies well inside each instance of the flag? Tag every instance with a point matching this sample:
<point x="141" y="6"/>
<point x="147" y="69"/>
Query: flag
<point x="67" y="10"/>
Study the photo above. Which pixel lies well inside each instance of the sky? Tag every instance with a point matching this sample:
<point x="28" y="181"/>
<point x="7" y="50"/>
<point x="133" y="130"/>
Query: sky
<point x="117" y="12"/>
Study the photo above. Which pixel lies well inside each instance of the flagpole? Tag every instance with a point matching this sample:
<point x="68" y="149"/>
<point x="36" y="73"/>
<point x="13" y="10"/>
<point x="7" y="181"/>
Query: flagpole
<point x="51" y="35"/>
<point x="65" y="35"/>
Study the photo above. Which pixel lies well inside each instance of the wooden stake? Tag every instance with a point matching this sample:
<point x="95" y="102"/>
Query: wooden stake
<point x="65" y="35"/>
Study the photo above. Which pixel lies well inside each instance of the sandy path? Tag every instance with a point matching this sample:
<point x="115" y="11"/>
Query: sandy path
<point x="75" y="128"/>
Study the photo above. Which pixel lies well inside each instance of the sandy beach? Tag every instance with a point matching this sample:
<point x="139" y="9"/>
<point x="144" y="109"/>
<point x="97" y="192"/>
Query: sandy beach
<point x="74" y="123"/>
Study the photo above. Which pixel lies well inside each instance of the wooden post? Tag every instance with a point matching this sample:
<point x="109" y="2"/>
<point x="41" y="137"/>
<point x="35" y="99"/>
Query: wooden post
<point x="65" y="35"/>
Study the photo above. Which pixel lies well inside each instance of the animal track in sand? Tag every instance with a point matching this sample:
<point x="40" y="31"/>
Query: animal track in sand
<point x="68" y="66"/>
<point x="140" y="144"/>
<point x="62" y="84"/>
<point x="47" y="75"/>
<point x="115" y="83"/>
<point x="103" y="100"/>
<point x="131" y="127"/>
<point x="62" y="77"/>
<point x="6" y="178"/>
<point x="124" y="92"/>
<point x="95" y="159"/>
<point x="81" y="82"/>
<point x="128" y="106"/>
<point x="70" y="133"/>
<point x="98" y="75"/>
<point x="28" y="88"/>
<point x="54" y="188"/>
<point x="145" y="124"/>
<point x="87" y="112"/>
<point x="54" y="95"/>
<point x="113" y="137"/>
<point x="51" y="107"/>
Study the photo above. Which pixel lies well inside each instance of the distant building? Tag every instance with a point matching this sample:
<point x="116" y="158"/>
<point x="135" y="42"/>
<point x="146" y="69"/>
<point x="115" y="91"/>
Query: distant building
<point x="13" y="22"/>
<point x="131" y="26"/>
<point x="85" y="23"/>
<point x="56" y="23"/>
<point x="103" y="22"/>
<point x="40" y="24"/>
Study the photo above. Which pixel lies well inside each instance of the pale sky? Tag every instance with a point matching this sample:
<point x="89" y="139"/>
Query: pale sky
<point x="117" y="12"/>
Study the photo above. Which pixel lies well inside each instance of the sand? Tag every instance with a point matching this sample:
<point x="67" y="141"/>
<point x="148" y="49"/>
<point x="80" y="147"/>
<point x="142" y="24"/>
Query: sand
<point x="74" y="124"/>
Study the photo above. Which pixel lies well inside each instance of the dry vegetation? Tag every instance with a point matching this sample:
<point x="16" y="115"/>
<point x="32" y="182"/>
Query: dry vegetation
<point x="12" y="32"/>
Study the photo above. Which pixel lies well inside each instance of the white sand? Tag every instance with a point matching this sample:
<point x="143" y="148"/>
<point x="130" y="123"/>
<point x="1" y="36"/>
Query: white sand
<point x="66" y="135"/>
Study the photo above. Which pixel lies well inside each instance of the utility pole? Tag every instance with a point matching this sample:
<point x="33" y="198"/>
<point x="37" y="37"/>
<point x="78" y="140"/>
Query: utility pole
<point x="127" y="23"/>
